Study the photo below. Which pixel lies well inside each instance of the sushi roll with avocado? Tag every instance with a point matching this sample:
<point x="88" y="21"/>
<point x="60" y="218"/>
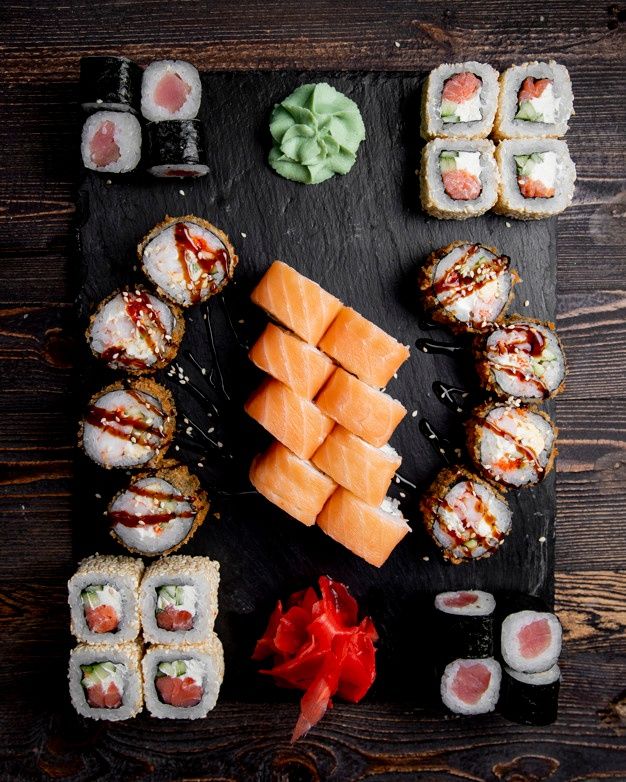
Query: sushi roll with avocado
<point x="458" y="178"/>
<point x="466" y="286"/>
<point x="535" y="100"/>
<point x="135" y="331"/>
<point x="110" y="84"/>
<point x="531" y="641"/>
<point x="105" y="680"/>
<point x="111" y="142"/>
<point x="521" y="359"/>
<point x="175" y="149"/>
<point x="183" y="681"/>
<point x="459" y="101"/>
<point x="512" y="445"/>
<point x="129" y="424"/>
<point x="465" y="624"/>
<point x="531" y="698"/>
<point x="536" y="178"/>
<point x="170" y="89"/>
<point x="471" y="686"/>
<point x="188" y="259"/>
<point x="103" y="599"/>
<point x="178" y="600"/>
<point x="465" y="516"/>
<point x="159" y="511"/>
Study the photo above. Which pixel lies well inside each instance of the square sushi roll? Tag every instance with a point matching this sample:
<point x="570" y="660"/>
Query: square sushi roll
<point x="536" y="178"/>
<point x="459" y="101"/>
<point x="105" y="680"/>
<point x="458" y="178"/>
<point x="102" y="595"/>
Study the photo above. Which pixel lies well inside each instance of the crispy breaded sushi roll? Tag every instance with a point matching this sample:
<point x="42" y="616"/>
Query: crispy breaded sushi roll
<point x="183" y="681"/>
<point x="465" y="516"/>
<point x="536" y="178"/>
<point x="159" y="511"/>
<point x="459" y="101"/>
<point x="129" y="424"/>
<point x="105" y="680"/>
<point x="521" y="358"/>
<point x="135" y="331"/>
<point x="187" y="258"/>
<point x="458" y="178"/>
<point x="466" y="286"/>
<point x="512" y="445"/>
<point x="535" y="100"/>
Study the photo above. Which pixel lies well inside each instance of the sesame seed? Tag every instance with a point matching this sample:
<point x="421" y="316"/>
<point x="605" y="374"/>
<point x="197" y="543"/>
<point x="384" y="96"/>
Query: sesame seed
<point x="396" y="44"/>
<point x="526" y="303"/>
<point x="508" y="225"/>
<point x="177" y="447"/>
<point x="241" y="321"/>
<point x="219" y="444"/>
<point x="426" y="559"/>
<point x="542" y="539"/>
<point x="414" y="414"/>
<point x="244" y="235"/>
<point x="98" y="496"/>
<point x="402" y="494"/>
<point x="200" y="465"/>
<point x="182" y="192"/>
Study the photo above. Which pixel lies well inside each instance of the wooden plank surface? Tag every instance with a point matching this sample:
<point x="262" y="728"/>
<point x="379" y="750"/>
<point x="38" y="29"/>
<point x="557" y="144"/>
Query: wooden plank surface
<point x="39" y="46"/>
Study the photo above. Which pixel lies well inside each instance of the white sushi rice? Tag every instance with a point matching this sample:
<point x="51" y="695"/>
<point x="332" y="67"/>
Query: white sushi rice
<point x="511" y="647"/>
<point x="152" y="76"/>
<point x="126" y="134"/>
<point x="484" y="605"/>
<point x="486" y="702"/>
<point x="536" y="679"/>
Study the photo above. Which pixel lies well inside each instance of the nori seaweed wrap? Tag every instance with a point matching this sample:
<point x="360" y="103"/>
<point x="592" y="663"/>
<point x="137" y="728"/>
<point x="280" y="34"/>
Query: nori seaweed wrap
<point x="530" y="698"/>
<point x="176" y="148"/>
<point x="465" y="624"/>
<point x="112" y="83"/>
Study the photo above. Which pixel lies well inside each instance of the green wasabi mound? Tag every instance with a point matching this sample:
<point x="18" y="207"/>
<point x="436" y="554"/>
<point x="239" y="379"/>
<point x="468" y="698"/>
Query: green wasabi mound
<point x="317" y="132"/>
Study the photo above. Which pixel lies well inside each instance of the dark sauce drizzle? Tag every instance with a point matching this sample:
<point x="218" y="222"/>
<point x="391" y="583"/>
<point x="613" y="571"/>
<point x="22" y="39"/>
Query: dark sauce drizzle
<point x="456" y="399"/>
<point x="442" y="348"/>
<point x="536" y="343"/>
<point x="208" y="259"/>
<point x="440" y="444"/>
<point x="152" y="519"/>
<point x="216" y="358"/>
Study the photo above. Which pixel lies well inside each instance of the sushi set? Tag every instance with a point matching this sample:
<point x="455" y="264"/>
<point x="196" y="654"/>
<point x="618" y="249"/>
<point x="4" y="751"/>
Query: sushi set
<point x="358" y="434"/>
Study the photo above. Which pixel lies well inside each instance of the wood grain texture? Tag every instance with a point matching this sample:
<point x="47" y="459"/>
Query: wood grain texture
<point x="38" y="166"/>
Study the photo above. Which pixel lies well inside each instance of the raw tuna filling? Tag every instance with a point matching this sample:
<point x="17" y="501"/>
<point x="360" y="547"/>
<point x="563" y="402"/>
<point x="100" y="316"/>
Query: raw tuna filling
<point x="103" y="148"/>
<point x="179" y="683"/>
<point x="460" y="98"/>
<point x="471" y="682"/>
<point x="460" y="173"/>
<point x="534" y="638"/>
<point x="460" y="600"/>
<point x="102" y="606"/>
<point x="536" y="174"/>
<point x="176" y="607"/>
<point x="536" y="101"/>
<point x="171" y="92"/>
<point x="103" y="684"/>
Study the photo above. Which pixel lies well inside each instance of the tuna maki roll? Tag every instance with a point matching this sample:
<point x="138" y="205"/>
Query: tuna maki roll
<point x="513" y="445"/>
<point x="110" y="84"/>
<point x="471" y="686"/>
<point x="189" y="259"/>
<point x="135" y="331"/>
<point x="459" y="101"/>
<point x="466" y="286"/>
<point x="523" y="359"/>
<point x="531" y="641"/>
<point x="176" y="149"/>
<point x="159" y="511"/>
<point x="531" y="698"/>
<point x="465" y="516"/>
<point x="465" y="624"/>
<point x="102" y="595"/>
<point x="129" y="424"/>
<point x="111" y="142"/>
<point x="170" y="89"/>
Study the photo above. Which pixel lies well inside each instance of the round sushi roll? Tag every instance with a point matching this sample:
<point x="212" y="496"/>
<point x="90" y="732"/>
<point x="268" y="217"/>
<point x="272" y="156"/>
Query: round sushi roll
<point x="135" y="331"/>
<point x="459" y="101"/>
<point x="531" y="698"/>
<point x="531" y="641"/>
<point x="170" y="89"/>
<point x="471" y="686"/>
<point x="465" y="624"/>
<point x="111" y="142"/>
<point x="176" y="149"/>
<point x="458" y="178"/>
<point x="513" y="445"/>
<point x="466" y="286"/>
<point x="188" y="259"/>
<point x="129" y="424"/>
<point x="535" y="100"/>
<point x="521" y="358"/>
<point x="159" y="510"/>
<point x="465" y="516"/>
<point x="110" y="84"/>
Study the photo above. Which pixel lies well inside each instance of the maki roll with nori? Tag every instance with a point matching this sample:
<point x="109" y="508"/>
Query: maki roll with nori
<point x="176" y="149"/>
<point x="471" y="686"/>
<point x="513" y="445"/>
<point x="466" y="517"/>
<point x="159" y="511"/>
<point x="189" y="259"/>
<point x="531" y="698"/>
<point x="531" y="641"/>
<point x="111" y="142"/>
<point x="170" y="89"/>
<point x="136" y="331"/>
<point x="523" y="359"/>
<point x="110" y="84"/>
<point x="466" y="286"/>
<point x="465" y="624"/>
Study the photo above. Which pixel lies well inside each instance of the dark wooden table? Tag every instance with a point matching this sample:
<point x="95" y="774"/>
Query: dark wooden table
<point x="40" y="45"/>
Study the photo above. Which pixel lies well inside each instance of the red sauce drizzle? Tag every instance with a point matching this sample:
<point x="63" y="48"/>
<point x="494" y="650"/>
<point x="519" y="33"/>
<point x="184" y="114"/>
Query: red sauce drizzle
<point x="208" y="259"/>
<point x="526" y="454"/>
<point x="483" y="510"/>
<point x="456" y="285"/>
<point x="532" y="343"/>
<point x="112" y="421"/>
<point x="152" y="519"/>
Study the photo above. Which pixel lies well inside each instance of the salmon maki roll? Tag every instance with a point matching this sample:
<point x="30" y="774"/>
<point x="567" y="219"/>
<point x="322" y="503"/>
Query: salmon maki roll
<point x="291" y="483"/>
<point x="300" y="366"/>
<point x="296" y="302"/>
<point x="371" y="532"/>
<point x="359" y="408"/>
<point x="363" y="348"/>
<point x="356" y="465"/>
<point x="294" y="421"/>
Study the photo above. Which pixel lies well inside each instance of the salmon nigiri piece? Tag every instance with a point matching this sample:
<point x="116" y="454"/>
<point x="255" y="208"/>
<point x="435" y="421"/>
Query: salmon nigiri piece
<point x="363" y="348"/>
<point x="369" y="531"/>
<point x="295" y="363"/>
<point x="359" y="408"/>
<point x="291" y="483"/>
<point x="294" y="421"/>
<point x="296" y="301"/>
<point x="356" y="465"/>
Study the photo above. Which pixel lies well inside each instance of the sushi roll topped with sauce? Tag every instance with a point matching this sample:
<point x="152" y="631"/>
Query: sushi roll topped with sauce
<point x="170" y="89"/>
<point x="523" y="359"/>
<point x="512" y="445"/>
<point x="466" y="286"/>
<point x="129" y="424"/>
<point x="188" y="259"/>
<point x="135" y="331"/>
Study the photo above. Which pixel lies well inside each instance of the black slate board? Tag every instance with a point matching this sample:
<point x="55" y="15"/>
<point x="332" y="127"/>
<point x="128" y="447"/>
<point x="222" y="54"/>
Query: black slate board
<point x="360" y="236"/>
